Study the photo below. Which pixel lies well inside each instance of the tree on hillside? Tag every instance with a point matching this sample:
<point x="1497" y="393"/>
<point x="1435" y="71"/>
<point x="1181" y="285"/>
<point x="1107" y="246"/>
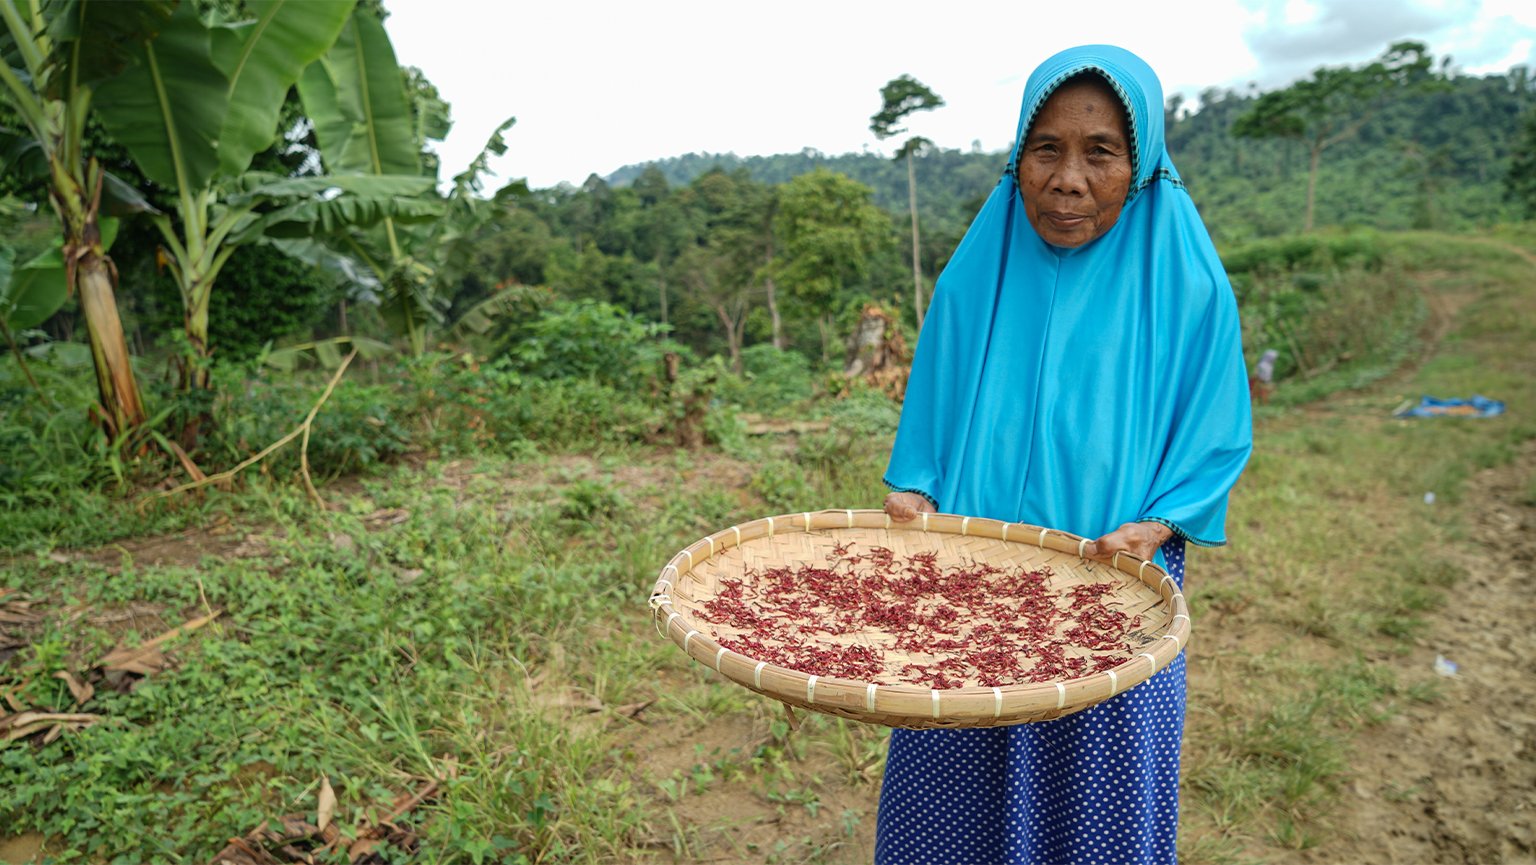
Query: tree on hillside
<point x="1335" y="103"/>
<point x="1520" y="183"/>
<point x="727" y="263"/>
<point x="900" y="97"/>
<point x="707" y="274"/>
<point x="830" y="235"/>
<point x="660" y="231"/>
<point x="63" y="51"/>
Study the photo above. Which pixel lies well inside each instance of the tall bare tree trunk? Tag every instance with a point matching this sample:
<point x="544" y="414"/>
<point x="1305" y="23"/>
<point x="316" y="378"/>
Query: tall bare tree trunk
<point x="1317" y="153"/>
<point x="917" y="270"/>
<point x="773" y="314"/>
<point x="732" y="335"/>
<point x="661" y="287"/>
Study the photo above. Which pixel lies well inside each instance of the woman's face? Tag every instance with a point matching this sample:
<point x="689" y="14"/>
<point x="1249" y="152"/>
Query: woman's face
<point x="1075" y="168"/>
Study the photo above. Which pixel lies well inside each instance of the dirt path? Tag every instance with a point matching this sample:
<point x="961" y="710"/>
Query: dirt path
<point x="1454" y="781"/>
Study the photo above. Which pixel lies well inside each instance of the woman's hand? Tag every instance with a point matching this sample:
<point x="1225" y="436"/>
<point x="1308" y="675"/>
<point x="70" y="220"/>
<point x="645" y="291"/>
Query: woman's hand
<point x="903" y="507"/>
<point x="1139" y="539"/>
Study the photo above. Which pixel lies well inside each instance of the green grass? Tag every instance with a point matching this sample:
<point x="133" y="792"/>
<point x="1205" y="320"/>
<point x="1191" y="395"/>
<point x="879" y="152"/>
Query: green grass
<point x="475" y="624"/>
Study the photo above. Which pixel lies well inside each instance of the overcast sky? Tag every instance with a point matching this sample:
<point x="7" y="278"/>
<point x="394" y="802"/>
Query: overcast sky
<point x="599" y="85"/>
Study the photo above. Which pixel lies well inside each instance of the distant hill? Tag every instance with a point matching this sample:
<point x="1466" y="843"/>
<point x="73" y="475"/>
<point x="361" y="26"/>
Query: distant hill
<point x="1424" y="161"/>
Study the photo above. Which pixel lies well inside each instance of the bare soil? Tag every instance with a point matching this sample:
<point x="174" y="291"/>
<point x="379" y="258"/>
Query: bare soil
<point x="1454" y="781"/>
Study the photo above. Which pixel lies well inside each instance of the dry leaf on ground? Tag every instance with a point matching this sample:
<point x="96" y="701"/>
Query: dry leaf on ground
<point x="327" y="806"/>
<point x="81" y="691"/>
<point x="296" y="840"/>
<point x="23" y="724"/>
<point x="146" y="658"/>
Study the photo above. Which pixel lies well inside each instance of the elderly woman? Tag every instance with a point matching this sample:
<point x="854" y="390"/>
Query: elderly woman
<point x="1080" y="368"/>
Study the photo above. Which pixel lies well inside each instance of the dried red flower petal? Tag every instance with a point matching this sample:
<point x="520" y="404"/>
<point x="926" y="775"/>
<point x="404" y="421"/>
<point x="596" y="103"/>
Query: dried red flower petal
<point x="980" y="624"/>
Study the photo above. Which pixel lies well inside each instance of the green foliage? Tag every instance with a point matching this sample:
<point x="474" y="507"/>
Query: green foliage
<point x="61" y="481"/>
<point x="434" y="403"/>
<point x="900" y="97"/>
<point x="831" y="233"/>
<point x="46" y="449"/>
<point x="771" y="380"/>
<point x="29" y="294"/>
<point x="588" y="340"/>
<point x="372" y="120"/>
<point x="1336" y="101"/>
<point x="200" y="99"/>
<point x="1520" y="183"/>
<point x="355" y="95"/>
<point x="1338" y="308"/>
<point x="1305" y="253"/>
<point x="590" y="501"/>
<point x="264" y="297"/>
<point x="839" y="467"/>
<point x="1335" y="104"/>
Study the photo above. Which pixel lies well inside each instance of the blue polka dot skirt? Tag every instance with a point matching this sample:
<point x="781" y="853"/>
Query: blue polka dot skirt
<point x="1097" y="787"/>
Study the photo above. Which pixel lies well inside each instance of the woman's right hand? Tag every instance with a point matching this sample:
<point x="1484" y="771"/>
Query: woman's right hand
<point x="903" y="507"/>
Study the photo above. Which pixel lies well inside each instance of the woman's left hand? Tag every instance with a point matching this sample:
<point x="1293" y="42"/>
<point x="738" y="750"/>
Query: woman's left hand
<point x="1139" y="539"/>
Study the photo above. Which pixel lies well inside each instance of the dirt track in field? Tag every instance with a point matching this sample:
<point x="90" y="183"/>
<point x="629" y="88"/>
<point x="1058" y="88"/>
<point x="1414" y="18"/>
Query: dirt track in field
<point x="1454" y="781"/>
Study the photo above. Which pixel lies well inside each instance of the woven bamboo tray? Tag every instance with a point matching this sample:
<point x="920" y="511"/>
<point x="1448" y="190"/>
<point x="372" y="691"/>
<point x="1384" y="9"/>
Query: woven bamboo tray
<point x="692" y="578"/>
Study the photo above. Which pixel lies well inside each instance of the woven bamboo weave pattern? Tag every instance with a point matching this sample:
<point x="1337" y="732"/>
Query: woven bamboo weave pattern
<point x="694" y="576"/>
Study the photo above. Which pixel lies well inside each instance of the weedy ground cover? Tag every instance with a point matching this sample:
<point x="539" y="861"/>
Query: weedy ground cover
<point x="457" y="657"/>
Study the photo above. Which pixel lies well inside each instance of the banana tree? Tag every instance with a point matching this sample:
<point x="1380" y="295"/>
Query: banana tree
<point x="196" y="106"/>
<point x="51" y="56"/>
<point x="356" y="97"/>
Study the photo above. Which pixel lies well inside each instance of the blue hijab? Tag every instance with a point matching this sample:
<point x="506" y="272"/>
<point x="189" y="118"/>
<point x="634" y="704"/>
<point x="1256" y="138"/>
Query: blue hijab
<point x="1087" y="387"/>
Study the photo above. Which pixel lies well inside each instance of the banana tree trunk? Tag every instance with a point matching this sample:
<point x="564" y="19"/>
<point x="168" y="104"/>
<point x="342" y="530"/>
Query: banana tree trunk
<point x="195" y="374"/>
<point x="121" y="408"/>
<point x="91" y="274"/>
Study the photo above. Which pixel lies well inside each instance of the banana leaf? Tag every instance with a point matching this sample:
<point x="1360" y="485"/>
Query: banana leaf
<point x="324" y="216"/>
<point x="326" y="352"/>
<point x="109" y="34"/>
<point x="356" y="98"/>
<point x="261" y="60"/>
<point x="253" y="186"/>
<point x="168" y="108"/>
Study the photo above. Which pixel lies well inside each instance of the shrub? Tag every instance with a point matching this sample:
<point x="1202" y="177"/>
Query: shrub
<point x="1329" y="304"/>
<point x="858" y="433"/>
<point x="1307" y="253"/>
<point x="587" y="339"/>
<point x="771" y="380"/>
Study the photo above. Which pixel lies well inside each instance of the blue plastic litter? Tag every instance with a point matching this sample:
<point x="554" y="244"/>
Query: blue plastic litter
<point x="1475" y="406"/>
